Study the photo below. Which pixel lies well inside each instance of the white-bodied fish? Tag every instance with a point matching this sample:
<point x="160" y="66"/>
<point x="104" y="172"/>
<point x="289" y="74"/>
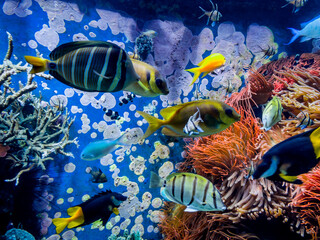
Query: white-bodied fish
<point x="272" y="113"/>
<point x="192" y="127"/>
<point x="309" y="31"/>
<point x="305" y="120"/>
<point x="189" y="189"/>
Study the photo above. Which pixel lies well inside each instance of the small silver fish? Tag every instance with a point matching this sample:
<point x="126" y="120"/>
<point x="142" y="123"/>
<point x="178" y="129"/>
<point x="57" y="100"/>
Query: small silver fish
<point x="305" y="120"/>
<point x="192" y="127"/>
<point x="213" y="15"/>
<point x="272" y="113"/>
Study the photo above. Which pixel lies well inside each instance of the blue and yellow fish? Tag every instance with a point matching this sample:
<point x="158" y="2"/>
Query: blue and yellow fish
<point x="92" y="66"/>
<point x="98" y="207"/>
<point x="189" y="189"/>
<point x="290" y="158"/>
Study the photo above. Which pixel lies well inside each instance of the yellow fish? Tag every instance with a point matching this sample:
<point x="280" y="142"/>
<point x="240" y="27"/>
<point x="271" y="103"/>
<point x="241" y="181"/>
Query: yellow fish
<point x="151" y="79"/>
<point x="216" y="117"/>
<point x="207" y="65"/>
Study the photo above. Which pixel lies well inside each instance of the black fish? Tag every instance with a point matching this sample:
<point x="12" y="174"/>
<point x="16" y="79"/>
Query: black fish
<point x="98" y="207"/>
<point x="290" y="158"/>
<point x="97" y="175"/>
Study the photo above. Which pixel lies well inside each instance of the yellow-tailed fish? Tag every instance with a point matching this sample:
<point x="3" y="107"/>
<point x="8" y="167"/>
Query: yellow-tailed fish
<point x="290" y="158"/>
<point x="216" y="116"/>
<point x="151" y="78"/>
<point x="98" y="207"/>
<point x="189" y="189"/>
<point x="207" y="65"/>
<point x="272" y="113"/>
<point x="93" y="66"/>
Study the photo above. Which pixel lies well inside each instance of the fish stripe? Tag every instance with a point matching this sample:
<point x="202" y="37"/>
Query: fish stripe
<point x="73" y="66"/>
<point x="182" y="187"/>
<point x="96" y="65"/>
<point x="194" y="188"/>
<point x="205" y="192"/>
<point x="117" y="77"/>
<point x="173" y="185"/>
<point x="148" y="75"/>
<point x="88" y="66"/>
<point x="111" y="68"/>
<point x="104" y="69"/>
<point x="214" y="197"/>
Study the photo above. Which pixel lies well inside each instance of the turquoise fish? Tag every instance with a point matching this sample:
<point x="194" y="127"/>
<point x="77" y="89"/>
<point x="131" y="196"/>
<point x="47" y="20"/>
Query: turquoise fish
<point x="98" y="149"/>
<point x="189" y="189"/>
<point x="309" y="30"/>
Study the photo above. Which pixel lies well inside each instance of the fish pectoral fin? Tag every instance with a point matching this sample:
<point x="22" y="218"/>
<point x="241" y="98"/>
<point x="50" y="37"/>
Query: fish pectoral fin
<point x="115" y="211"/>
<point x="144" y="87"/>
<point x="100" y="75"/>
<point x="292" y="179"/>
<point x="189" y="209"/>
<point x="168" y="132"/>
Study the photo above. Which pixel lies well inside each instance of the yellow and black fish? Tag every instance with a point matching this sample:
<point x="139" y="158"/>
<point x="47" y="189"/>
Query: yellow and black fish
<point x="92" y="66"/>
<point x="290" y="158"/>
<point x="189" y="189"/>
<point x="151" y="78"/>
<point x="98" y="207"/>
<point x="216" y="116"/>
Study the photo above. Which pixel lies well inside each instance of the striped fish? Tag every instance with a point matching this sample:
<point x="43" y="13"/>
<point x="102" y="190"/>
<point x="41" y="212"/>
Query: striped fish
<point x="189" y="189"/>
<point x="151" y="78"/>
<point x="305" y="120"/>
<point x="92" y="66"/>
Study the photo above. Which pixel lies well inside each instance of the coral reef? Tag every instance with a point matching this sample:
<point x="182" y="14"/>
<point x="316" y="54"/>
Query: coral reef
<point x="126" y="236"/>
<point x="307" y="202"/>
<point x="229" y="169"/>
<point x="27" y="127"/>
<point x="15" y="233"/>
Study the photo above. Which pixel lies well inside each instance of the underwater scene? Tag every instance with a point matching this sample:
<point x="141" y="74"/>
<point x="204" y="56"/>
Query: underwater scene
<point x="145" y="119"/>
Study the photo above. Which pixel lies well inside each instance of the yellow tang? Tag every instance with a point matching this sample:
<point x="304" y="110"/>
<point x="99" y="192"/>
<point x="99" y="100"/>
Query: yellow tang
<point x="207" y="65"/>
<point x="215" y="117"/>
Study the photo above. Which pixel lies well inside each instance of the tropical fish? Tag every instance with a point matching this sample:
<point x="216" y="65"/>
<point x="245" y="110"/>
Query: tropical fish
<point x="291" y="157"/>
<point x="150" y="33"/>
<point x="309" y="30"/>
<point x="128" y="98"/>
<point x="305" y="121"/>
<point x="192" y="127"/>
<point x="269" y="52"/>
<point x="214" y="15"/>
<point x="297" y="4"/>
<point x="98" y="149"/>
<point x="207" y="65"/>
<point x="92" y="66"/>
<point x="151" y="79"/>
<point x="216" y="117"/>
<point x="98" y="207"/>
<point x="189" y="189"/>
<point x="272" y="113"/>
<point x="97" y="175"/>
<point x="114" y="115"/>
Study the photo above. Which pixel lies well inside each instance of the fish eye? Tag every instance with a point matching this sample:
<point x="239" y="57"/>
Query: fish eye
<point x="229" y="112"/>
<point x="52" y="65"/>
<point x="161" y="84"/>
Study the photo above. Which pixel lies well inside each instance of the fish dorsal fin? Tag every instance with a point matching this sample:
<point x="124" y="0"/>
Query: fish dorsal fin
<point x="306" y="23"/>
<point x="315" y="140"/>
<point x="167" y="113"/>
<point x="68" y="47"/>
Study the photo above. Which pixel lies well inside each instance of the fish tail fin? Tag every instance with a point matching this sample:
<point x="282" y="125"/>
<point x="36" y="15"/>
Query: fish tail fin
<point x="196" y="72"/>
<point x="38" y="64"/>
<point x="296" y="34"/>
<point x="155" y="180"/>
<point x="60" y="223"/>
<point x="154" y="123"/>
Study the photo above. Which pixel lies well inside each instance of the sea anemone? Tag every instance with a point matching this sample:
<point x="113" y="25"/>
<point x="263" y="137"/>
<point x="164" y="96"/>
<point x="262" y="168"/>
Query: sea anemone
<point x="307" y="202"/>
<point x="225" y="159"/>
